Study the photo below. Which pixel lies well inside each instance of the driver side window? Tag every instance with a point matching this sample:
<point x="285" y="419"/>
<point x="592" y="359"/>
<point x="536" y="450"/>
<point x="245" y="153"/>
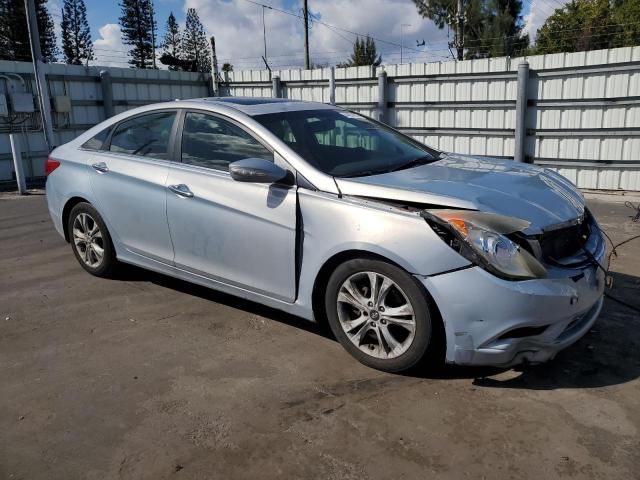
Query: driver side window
<point x="211" y="142"/>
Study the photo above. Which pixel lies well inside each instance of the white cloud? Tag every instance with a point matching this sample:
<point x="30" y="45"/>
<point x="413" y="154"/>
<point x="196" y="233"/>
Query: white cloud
<point x="109" y="51"/>
<point x="539" y="11"/>
<point x="237" y="27"/>
<point x="55" y="11"/>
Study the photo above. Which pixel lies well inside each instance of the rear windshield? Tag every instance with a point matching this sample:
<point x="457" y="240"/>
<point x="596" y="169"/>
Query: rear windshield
<point x="345" y="144"/>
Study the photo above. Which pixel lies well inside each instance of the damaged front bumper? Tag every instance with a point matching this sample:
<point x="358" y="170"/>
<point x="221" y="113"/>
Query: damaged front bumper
<point x="490" y="321"/>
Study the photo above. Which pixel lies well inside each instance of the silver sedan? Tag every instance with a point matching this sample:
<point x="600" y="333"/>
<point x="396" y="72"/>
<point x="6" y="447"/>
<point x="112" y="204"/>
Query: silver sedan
<point x="326" y="214"/>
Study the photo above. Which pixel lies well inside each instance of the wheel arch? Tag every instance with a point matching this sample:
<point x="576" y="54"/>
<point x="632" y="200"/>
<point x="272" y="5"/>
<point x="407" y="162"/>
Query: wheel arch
<point x="329" y="266"/>
<point x="66" y="211"/>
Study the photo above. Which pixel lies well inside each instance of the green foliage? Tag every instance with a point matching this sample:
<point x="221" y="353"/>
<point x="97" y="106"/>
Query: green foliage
<point x="364" y="53"/>
<point x="14" y="36"/>
<point x="195" y="46"/>
<point x="137" y="24"/>
<point x="227" y="67"/>
<point x="77" y="47"/>
<point x="14" y="33"/>
<point x="590" y="25"/>
<point x="47" y="33"/>
<point x="493" y="28"/>
<point x="172" y="43"/>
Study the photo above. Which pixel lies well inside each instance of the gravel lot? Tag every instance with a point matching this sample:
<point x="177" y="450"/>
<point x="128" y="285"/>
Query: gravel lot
<point x="146" y="377"/>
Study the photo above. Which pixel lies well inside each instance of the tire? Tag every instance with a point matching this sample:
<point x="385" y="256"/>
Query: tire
<point x="87" y="244"/>
<point x="389" y="314"/>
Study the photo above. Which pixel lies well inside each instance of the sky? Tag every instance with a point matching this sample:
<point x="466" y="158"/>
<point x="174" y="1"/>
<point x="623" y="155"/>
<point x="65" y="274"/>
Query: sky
<point x="237" y="27"/>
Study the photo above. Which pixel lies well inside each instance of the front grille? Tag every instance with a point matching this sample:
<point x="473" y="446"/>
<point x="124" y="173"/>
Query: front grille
<point x="556" y="245"/>
<point x="564" y="242"/>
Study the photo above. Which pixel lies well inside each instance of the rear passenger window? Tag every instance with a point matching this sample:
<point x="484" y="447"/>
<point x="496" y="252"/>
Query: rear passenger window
<point x="211" y="142"/>
<point x="96" y="143"/>
<point x="146" y="135"/>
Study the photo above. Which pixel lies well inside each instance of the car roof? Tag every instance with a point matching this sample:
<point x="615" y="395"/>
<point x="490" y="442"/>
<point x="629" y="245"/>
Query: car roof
<point x="262" y="105"/>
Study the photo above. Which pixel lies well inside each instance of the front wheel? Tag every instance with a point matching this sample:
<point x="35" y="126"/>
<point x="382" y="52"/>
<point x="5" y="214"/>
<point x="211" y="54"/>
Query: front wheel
<point x="379" y="314"/>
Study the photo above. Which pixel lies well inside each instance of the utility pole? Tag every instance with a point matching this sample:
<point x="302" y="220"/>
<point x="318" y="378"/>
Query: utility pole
<point x="214" y="68"/>
<point x="41" y="82"/>
<point x="306" y="36"/>
<point x="459" y="40"/>
<point x="402" y="38"/>
<point x="153" y="33"/>
<point x="264" y="32"/>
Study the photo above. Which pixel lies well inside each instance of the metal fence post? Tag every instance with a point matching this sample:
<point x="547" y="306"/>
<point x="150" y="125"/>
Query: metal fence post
<point x="226" y="84"/>
<point x="332" y="85"/>
<point x="275" y="86"/>
<point x="17" y="163"/>
<point x="107" y="93"/>
<point x="521" y="113"/>
<point x="382" y="96"/>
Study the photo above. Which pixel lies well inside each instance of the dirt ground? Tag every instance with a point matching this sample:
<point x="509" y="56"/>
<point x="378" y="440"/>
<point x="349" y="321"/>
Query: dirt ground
<point x="146" y="377"/>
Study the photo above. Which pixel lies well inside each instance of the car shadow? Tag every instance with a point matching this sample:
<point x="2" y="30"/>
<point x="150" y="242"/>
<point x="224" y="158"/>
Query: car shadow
<point x="132" y="273"/>
<point x="608" y="355"/>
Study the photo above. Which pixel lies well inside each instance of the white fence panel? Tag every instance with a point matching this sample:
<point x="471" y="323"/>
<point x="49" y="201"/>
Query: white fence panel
<point x="131" y="88"/>
<point x="582" y="116"/>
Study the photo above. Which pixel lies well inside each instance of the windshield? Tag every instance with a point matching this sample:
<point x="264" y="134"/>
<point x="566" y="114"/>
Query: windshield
<point x="345" y="144"/>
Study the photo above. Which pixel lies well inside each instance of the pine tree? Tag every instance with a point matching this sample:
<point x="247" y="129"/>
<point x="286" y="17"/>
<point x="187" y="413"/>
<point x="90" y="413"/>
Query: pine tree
<point x="14" y="36"/>
<point x="14" y="33"/>
<point x="138" y="25"/>
<point x="195" y="46"/>
<point x="47" y="32"/>
<point x="172" y="43"/>
<point x="364" y="53"/>
<point x="77" y="47"/>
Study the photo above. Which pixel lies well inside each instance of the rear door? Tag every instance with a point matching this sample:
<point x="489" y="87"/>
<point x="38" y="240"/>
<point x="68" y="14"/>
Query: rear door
<point x="129" y="177"/>
<point x="242" y="234"/>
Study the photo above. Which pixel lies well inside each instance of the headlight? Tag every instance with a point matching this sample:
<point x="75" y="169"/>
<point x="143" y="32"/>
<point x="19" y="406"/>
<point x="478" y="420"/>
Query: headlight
<point x="481" y="238"/>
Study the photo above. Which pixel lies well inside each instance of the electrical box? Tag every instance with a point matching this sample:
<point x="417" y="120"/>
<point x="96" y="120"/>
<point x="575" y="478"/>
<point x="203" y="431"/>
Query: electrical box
<point x="21" y="102"/>
<point x="62" y="103"/>
<point x="4" y="108"/>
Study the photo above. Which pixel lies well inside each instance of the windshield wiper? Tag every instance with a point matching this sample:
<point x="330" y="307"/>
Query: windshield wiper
<point x="414" y="163"/>
<point x="365" y="173"/>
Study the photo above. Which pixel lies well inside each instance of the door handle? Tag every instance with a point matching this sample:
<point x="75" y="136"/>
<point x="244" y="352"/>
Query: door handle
<point x="181" y="190"/>
<point x="100" y="167"/>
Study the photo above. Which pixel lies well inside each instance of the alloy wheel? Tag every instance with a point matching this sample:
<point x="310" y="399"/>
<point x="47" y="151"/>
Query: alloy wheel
<point x="376" y="315"/>
<point x="88" y="240"/>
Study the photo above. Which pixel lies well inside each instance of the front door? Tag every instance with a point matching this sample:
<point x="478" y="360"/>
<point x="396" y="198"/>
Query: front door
<point x="242" y="234"/>
<point x="129" y="182"/>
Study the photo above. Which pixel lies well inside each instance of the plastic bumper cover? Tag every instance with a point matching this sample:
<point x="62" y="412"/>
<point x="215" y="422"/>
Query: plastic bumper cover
<point x="481" y="311"/>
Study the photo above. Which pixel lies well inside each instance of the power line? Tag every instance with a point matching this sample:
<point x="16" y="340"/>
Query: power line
<point x="328" y="25"/>
<point x="422" y="54"/>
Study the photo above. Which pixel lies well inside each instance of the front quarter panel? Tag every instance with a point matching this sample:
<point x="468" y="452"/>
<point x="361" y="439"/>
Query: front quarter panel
<point x="332" y="225"/>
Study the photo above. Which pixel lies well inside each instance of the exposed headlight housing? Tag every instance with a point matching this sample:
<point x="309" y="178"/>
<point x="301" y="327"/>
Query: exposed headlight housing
<point x="482" y="239"/>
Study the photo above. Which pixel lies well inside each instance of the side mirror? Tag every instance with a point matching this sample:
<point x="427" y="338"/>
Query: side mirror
<point x="257" y="170"/>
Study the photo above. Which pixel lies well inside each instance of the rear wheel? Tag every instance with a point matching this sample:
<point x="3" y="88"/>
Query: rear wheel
<point x="379" y="314"/>
<point x="90" y="240"/>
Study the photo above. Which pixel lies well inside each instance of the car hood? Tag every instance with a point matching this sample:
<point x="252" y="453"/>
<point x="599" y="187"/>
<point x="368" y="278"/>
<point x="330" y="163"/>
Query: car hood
<point x="540" y="196"/>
